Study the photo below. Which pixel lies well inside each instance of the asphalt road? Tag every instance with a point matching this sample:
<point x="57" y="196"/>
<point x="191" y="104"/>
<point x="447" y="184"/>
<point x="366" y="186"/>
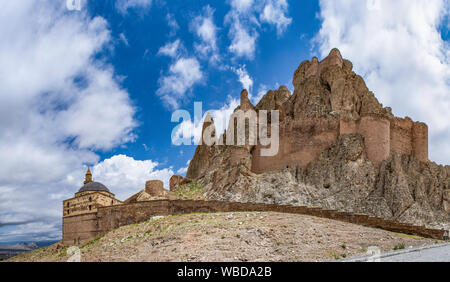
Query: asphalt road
<point x="434" y="253"/>
<point x="440" y="254"/>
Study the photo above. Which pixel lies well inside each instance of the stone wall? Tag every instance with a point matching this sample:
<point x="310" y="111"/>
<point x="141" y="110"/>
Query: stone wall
<point x="409" y="138"/>
<point x="154" y="187"/>
<point x="302" y="142"/>
<point x="82" y="228"/>
<point x="401" y="136"/>
<point x="376" y="133"/>
<point x="420" y="141"/>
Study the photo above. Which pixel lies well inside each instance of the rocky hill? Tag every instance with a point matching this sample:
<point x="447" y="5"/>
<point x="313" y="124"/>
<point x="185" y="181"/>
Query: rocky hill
<point x="246" y="236"/>
<point x="339" y="149"/>
<point x="7" y="251"/>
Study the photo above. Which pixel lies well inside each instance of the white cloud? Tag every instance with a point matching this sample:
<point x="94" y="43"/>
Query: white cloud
<point x="183" y="74"/>
<point x="173" y="24"/>
<point x="57" y="102"/>
<point x="399" y="50"/>
<point x="125" y="176"/>
<point x="170" y="49"/>
<point x="262" y="90"/>
<point x="123" y="38"/>
<point x="124" y="5"/>
<point x="183" y="170"/>
<point x="192" y="130"/>
<point x="97" y="127"/>
<point x="274" y="12"/>
<point x="244" y="78"/>
<point x="243" y="41"/>
<point x="244" y="24"/>
<point x="241" y="6"/>
<point x="206" y="30"/>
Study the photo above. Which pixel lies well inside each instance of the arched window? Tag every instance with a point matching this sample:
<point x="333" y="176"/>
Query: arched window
<point x="68" y="204"/>
<point x="90" y="199"/>
<point x="90" y="207"/>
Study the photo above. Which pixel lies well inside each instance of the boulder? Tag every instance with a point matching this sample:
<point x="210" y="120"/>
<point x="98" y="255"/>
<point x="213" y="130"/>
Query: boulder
<point x="174" y="181"/>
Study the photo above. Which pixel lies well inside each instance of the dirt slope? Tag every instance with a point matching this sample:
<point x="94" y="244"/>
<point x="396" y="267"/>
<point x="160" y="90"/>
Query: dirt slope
<point x="248" y="236"/>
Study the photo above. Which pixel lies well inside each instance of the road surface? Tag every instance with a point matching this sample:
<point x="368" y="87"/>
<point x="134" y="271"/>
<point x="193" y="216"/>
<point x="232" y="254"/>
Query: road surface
<point x="439" y="254"/>
<point x="434" y="253"/>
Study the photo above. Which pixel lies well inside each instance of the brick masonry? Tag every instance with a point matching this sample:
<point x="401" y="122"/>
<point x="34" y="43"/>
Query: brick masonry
<point x="79" y="229"/>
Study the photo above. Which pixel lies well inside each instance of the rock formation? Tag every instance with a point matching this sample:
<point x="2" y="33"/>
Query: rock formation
<point x="174" y="181"/>
<point x="339" y="149"/>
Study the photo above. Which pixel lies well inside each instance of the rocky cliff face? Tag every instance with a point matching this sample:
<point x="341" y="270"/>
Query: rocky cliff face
<point x="340" y="177"/>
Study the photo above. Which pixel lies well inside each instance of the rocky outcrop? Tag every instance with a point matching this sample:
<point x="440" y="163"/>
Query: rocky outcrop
<point x="339" y="149"/>
<point x="203" y="153"/>
<point x="329" y="89"/>
<point x="174" y="181"/>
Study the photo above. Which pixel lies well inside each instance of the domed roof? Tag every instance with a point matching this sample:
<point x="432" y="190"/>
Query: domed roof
<point x="93" y="186"/>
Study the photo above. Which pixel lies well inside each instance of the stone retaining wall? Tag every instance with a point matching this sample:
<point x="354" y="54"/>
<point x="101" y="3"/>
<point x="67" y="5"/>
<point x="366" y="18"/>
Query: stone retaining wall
<point x="109" y="218"/>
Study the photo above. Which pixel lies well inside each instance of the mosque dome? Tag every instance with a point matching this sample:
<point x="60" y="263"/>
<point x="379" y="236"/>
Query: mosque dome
<point x="90" y="185"/>
<point x="93" y="186"/>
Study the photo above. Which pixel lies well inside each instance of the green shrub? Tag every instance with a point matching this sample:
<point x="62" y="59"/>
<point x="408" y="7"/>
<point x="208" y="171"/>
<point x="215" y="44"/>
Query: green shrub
<point x="190" y="191"/>
<point x="399" y="247"/>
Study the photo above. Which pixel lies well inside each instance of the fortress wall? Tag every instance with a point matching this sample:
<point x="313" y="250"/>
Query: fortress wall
<point x="299" y="145"/>
<point x="113" y="217"/>
<point x="401" y="136"/>
<point x="262" y="164"/>
<point x="376" y="132"/>
<point x="80" y="228"/>
<point x="420" y="141"/>
<point x="83" y="228"/>
<point x="306" y="139"/>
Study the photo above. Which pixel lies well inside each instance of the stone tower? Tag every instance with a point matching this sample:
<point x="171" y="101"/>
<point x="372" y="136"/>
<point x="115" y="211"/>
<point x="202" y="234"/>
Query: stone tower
<point x="91" y="196"/>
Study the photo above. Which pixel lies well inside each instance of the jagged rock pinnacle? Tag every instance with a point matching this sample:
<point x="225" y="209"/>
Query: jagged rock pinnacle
<point x="339" y="149"/>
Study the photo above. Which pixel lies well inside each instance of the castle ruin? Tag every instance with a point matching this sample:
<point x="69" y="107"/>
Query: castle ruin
<point x="344" y="106"/>
<point x="339" y="149"/>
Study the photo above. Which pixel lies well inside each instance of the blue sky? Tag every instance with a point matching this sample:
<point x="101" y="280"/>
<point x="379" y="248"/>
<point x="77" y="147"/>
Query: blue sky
<point x="137" y="60"/>
<point x="97" y="86"/>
